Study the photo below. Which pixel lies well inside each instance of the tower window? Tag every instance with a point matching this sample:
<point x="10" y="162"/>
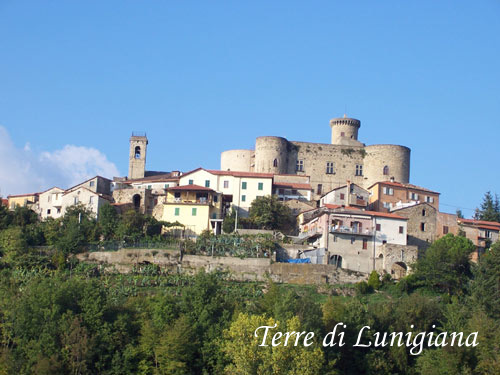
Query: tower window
<point x="359" y="170"/>
<point x="386" y="170"/>
<point x="320" y="188"/>
<point x="299" y="167"/>
<point x="422" y="227"/>
<point x="423" y="212"/>
<point x="137" y="152"/>
<point x="329" y="167"/>
<point x="275" y="163"/>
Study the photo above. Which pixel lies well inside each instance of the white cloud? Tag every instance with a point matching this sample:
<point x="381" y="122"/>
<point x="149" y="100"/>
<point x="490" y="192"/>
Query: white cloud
<point x="23" y="171"/>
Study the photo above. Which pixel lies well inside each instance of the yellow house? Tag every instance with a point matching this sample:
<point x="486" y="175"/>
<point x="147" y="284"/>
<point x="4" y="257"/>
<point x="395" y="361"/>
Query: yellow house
<point x="22" y="200"/>
<point x="198" y="208"/>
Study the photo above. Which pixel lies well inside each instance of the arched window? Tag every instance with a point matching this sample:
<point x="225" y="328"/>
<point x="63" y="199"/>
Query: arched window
<point x="137" y="152"/>
<point x="136" y="199"/>
<point x="386" y="170"/>
<point x="275" y="163"/>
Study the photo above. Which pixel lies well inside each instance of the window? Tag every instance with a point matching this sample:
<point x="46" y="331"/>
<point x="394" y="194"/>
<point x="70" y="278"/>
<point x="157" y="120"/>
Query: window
<point x="329" y="167"/>
<point x="75" y="200"/>
<point x="386" y="205"/>
<point x="48" y="211"/>
<point x="244" y="185"/>
<point x="387" y="190"/>
<point x="342" y="196"/>
<point x="334" y="238"/>
<point x="365" y="244"/>
<point x="243" y="198"/>
<point x="275" y="163"/>
<point x="261" y="186"/>
<point x="384" y="242"/>
<point x="413" y="196"/>
<point x="137" y="152"/>
<point x="377" y="227"/>
<point x="226" y="184"/>
<point x="429" y="199"/>
<point x="281" y="191"/>
<point x="294" y="192"/>
<point x="216" y="198"/>
<point x="214" y="215"/>
<point x="91" y="200"/>
<point x="423" y="212"/>
<point x="193" y="211"/>
<point x="359" y="170"/>
<point x="92" y="183"/>
<point x="207" y="183"/>
<point x="177" y="211"/>
<point x="445" y="229"/>
<point x="58" y="210"/>
<point x="353" y="239"/>
<point x="342" y="134"/>
<point x="386" y="171"/>
<point x="320" y="188"/>
<point x="422" y="227"/>
<point x="299" y="167"/>
<point x="166" y="186"/>
<point x="401" y="230"/>
<point x="191" y="182"/>
<point x="149" y="187"/>
<point x="177" y="194"/>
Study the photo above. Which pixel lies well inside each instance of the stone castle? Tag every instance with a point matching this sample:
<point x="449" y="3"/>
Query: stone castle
<point x="328" y="165"/>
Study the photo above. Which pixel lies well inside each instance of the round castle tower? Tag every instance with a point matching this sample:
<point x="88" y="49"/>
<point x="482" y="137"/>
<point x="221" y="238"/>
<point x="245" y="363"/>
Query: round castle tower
<point x="271" y="155"/>
<point x="385" y="161"/>
<point x="345" y="131"/>
<point x="237" y="160"/>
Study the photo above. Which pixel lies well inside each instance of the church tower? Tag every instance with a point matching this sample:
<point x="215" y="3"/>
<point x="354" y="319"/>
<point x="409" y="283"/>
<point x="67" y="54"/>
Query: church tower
<point x="137" y="155"/>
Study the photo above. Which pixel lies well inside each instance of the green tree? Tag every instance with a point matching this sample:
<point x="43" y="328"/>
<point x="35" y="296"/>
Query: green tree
<point x="489" y="209"/>
<point x="13" y="244"/>
<point x="374" y="280"/>
<point x="486" y="285"/>
<point x="270" y="213"/>
<point x="445" y="266"/>
<point x="108" y="222"/>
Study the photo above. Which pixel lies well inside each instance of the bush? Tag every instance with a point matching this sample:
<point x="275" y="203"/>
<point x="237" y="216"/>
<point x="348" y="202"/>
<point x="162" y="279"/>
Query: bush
<point x="374" y="280"/>
<point x="363" y="288"/>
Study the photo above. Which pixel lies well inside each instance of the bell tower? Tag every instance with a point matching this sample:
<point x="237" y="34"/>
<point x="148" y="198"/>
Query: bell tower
<point x="137" y="155"/>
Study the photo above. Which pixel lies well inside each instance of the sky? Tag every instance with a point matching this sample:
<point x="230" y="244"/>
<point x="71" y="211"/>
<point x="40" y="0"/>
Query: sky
<point x="200" y="77"/>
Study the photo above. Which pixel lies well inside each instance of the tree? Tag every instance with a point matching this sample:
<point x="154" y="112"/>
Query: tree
<point x="490" y="208"/>
<point x="445" y="266"/>
<point x="460" y="214"/>
<point x="269" y="213"/>
<point x="486" y="287"/>
<point x="108" y="221"/>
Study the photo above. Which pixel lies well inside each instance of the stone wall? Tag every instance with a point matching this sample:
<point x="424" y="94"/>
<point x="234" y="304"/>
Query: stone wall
<point x="418" y="215"/>
<point x="249" y="269"/>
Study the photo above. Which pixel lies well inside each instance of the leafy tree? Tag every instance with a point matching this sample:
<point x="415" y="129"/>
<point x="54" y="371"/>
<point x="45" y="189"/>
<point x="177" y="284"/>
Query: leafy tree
<point x="445" y="266"/>
<point x="459" y="214"/>
<point x="248" y="358"/>
<point x="12" y="244"/>
<point x="374" y="280"/>
<point x="270" y="213"/>
<point x="486" y="286"/>
<point x="108" y="222"/>
<point x="489" y="209"/>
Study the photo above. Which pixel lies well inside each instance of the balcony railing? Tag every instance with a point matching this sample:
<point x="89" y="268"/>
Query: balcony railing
<point x="352" y="230"/>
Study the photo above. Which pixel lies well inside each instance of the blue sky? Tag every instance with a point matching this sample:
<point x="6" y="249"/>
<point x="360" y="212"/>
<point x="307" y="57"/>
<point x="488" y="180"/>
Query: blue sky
<point x="203" y="77"/>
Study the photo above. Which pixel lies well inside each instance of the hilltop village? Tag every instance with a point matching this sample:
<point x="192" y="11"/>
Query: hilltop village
<point x="354" y="205"/>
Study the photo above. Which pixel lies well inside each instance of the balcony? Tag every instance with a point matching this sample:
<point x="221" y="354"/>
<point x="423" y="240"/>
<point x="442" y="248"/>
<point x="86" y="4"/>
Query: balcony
<point x="352" y="230"/>
<point x="203" y="201"/>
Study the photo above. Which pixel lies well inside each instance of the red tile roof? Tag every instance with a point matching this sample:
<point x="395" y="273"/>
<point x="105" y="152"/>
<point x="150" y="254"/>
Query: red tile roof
<point x="240" y="174"/>
<point x="481" y="223"/>
<point x="166" y="177"/>
<point x="292" y="185"/>
<point x="190" y="188"/>
<point x="406" y="186"/>
<point x="5" y="202"/>
<point x="363" y="212"/>
<point x="22" y="195"/>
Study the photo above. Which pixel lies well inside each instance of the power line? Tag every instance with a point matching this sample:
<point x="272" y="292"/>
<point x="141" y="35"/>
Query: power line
<point x="459" y="207"/>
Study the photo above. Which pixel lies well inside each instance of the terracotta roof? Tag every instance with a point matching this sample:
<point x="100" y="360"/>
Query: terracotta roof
<point x="480" y="223"/>
<point x="190" y="188"/>
<point x="5" y="202"/>
<point x="240" y="174"/>
<point x="155" y="178"/>
<point x="81" y="183"/>
<point x="355" y="210"/>
<point x="22" y="195"/>
<point x="293" y="185"/>
<point x="407" y="186"/>
<point x="54" y="187"/>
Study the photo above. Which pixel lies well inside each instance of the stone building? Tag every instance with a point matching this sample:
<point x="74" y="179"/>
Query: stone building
<point x="348" y="195"/>
<point x="328" y="165"/>
<point x="422" y="224"/>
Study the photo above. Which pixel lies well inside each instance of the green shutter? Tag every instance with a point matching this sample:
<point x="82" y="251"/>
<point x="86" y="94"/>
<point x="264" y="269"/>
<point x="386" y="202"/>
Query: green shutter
<point x="190" y="182"/>
<point x="207" y="183"/>
<point x="177" y="209"/>
<point x="243" y="198"/>
<point x="261" y="186"/>
<point x="244" y="185"/>
<point x="193" y="211"/>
